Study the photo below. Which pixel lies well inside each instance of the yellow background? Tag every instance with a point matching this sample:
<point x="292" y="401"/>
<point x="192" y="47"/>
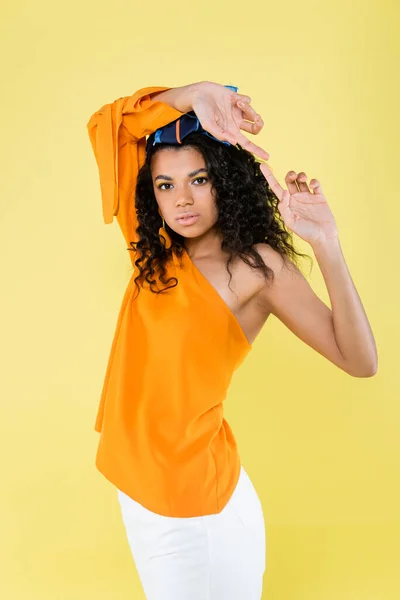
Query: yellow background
<point x="321" y="447"/>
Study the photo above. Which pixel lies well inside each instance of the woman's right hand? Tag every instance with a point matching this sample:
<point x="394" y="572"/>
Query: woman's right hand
<point x="220" y="113"/>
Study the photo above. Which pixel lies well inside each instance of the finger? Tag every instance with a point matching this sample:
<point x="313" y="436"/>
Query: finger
<point x="253" y="128"/>
<point x="242" y="98"/>
<point x="272" y="181"/>
<point x="252" y="121"/>
<point x="316" y="186"/>
<point x="248" y="111"/>
<point x="285" y="210"/>
<point x="249" y="114"/>
<point x="302" y="182"/>
<point x="234" y="138"/>
<point x="290" y="180"/>
<point x="251" y="147"/>
<point x="226" y="136"/>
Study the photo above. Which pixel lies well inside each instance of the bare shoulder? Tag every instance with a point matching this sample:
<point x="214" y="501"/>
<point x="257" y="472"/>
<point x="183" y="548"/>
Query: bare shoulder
<point x="274" y="260"/>
<point x="287" y="280"/>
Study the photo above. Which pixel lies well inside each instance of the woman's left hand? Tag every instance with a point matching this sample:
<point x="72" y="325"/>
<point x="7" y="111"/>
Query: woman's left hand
<point x="304" y="212"/>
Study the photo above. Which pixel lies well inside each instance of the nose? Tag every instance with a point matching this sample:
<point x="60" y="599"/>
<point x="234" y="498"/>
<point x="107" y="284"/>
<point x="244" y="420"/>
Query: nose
<point x="184" y="196"/>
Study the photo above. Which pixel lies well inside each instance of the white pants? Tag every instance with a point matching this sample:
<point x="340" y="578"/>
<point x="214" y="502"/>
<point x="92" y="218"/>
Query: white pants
<point x="215" y="557"/>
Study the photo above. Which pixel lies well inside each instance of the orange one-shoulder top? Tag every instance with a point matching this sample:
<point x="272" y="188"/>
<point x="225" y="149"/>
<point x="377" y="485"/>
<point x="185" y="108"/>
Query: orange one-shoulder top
<point x="163" y="437"/>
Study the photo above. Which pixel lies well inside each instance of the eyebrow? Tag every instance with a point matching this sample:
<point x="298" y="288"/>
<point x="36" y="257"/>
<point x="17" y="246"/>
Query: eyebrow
<point x="192" y="174"/>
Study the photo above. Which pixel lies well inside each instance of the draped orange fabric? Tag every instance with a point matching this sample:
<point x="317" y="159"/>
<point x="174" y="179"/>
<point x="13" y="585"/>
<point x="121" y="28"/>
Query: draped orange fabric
<point x="163" y="437"/>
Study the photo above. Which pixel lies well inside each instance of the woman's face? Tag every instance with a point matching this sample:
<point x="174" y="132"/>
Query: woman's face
<point x="181" y="185"/>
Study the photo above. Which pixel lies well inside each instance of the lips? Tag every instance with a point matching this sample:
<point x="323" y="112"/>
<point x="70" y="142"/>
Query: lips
<point x="188" y="220"/>
<point x="186" y="215"/>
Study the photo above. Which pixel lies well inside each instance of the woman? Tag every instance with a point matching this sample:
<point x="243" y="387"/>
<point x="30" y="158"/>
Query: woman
<point x="209" y="230"/>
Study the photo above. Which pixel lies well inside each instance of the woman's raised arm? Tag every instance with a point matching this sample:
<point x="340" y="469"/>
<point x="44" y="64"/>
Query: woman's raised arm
<point x="117" y="134"/>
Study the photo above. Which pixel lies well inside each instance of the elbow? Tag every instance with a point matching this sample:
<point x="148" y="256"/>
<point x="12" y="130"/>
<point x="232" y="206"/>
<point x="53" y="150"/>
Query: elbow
<point x="367" y="371"/>
<point x="366" y="366"/>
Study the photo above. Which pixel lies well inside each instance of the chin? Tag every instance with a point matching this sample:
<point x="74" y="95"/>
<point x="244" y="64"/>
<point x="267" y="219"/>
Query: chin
<point x="191" y="234"/>
<point x="194" y="232"/>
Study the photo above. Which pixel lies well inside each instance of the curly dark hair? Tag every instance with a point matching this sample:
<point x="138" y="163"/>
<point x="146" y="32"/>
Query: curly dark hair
<point x="246" y="206"/>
